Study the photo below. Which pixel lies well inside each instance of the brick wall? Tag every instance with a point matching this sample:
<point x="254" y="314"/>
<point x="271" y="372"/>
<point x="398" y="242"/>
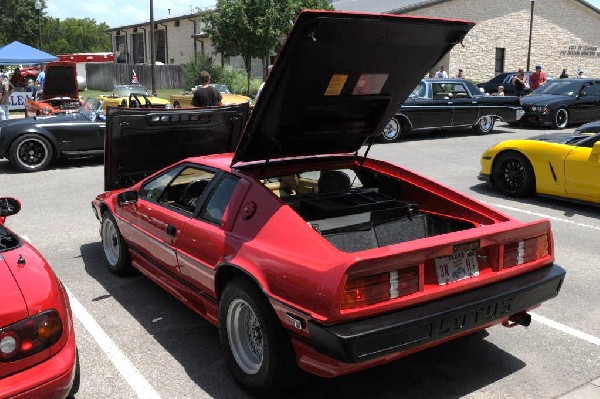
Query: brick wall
<point x="566" y="34"/>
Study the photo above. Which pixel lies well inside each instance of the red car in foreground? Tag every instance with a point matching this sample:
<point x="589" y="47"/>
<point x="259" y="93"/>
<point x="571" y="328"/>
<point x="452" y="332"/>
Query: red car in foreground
<point x="302" y="251"/>
<point x="38" y="357"/>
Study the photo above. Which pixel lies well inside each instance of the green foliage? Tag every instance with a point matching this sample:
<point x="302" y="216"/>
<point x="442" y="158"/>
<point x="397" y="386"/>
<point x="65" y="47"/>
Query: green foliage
<point x="253" y="28"/>
<point x="74" y="35"/>
<point x="21" y="21"/>
<point x="234" y="78"/>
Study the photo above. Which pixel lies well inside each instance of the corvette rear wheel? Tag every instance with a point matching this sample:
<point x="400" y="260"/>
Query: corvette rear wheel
<point x="391" y="131"/>
<point x="484" y="125"/>
<point x="30" y="153"/>
<point x="561" y="118"/>
<point x="258" y="352"/>
<point x="513" y="174"/>
<point x="115" y="249"/>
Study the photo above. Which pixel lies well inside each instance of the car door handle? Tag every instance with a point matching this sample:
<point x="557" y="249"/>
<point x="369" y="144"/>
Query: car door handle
<point x="450" y="103"/>
<point x="171" y="230"/>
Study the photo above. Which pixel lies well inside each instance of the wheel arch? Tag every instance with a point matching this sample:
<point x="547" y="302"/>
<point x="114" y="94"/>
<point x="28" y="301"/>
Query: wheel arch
<point x="404" y="121"/>
<point x="228" y="272"/>
<point x="515" y="151"/>
<point x="43" y="133"/>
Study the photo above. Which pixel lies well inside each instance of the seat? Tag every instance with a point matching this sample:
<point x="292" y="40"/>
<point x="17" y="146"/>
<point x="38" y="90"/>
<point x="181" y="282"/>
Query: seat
<point x="192" y="192"/>
<point x="333" y="181"/>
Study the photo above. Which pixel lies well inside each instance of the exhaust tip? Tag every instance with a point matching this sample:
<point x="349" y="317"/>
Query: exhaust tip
<point x="522" y="319"/>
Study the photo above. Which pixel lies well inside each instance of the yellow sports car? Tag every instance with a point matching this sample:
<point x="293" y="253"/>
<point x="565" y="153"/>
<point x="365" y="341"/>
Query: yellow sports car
<point x="563" y="165"/>
<point x="185" y="99"/>
<point x="135" y="96"/>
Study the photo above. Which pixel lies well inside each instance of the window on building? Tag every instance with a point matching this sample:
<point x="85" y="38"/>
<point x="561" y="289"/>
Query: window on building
<point x="161" y="45"/>
<point x="137" y="51"/>
<point x="121" y="48"/>
<point x="499" y="60"/>
<point x="176" y="23"/>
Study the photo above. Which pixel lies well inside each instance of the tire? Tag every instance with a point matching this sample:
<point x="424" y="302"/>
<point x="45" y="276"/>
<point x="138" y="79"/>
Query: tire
<point x="176" y="104"/>
<point x="513" y="175"/>
<point x="484" y="125"/>
<point x="115" y="249"/>
<point x="77" y="379"/>
<point x="391" y="131"/>
<point x="257" y="349"/>
<point x="561" y="118"/>
<point x="30" y="153"/>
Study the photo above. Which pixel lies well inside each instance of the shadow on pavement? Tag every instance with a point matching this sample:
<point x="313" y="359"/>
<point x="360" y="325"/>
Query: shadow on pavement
<point x="453" y="369"/>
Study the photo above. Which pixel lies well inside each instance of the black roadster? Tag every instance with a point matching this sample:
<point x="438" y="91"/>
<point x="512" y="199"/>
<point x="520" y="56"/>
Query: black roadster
<point x="31" y="144"/>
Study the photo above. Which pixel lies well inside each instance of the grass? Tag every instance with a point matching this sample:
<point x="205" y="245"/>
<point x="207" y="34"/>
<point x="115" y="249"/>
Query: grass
<point x="164" y="93"/>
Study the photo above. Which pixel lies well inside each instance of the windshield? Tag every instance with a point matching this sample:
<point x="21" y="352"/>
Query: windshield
<point x="559" y="87"/>
<point x="221" y="88"/>
<point x="125" y="91"/>
<point x="92" y="109"/>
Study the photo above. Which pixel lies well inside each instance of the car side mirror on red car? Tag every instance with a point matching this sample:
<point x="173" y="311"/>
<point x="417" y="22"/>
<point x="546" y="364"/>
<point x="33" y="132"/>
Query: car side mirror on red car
<point x="127" y="197"/>
<point x="8" y="206"/>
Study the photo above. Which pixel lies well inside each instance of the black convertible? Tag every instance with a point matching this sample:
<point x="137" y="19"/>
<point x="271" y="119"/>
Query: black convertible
<point x="451" y="103"/>
<point x="31" y="144"/>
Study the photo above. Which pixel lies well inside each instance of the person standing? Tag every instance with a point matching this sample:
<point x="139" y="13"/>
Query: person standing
<point x="260" y="88"/>
<point x="581" y="75"/>
<point x="205" y="95"/>
<point x="500" y="91"/>
<point x="7" y="89"/>
<point x="461" y="74"/>
<point x="564" y="74"/>
<point x="441" y="74"/>
<point x="537" y="78"/>
<point x="519" y="81"/>
<point x="39" y="81"/>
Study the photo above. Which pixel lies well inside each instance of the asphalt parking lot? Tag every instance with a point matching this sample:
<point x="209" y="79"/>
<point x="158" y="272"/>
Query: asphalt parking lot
<point x="136" y="341"/>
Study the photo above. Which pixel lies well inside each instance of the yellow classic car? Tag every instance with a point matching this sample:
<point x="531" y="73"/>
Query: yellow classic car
<point x="133" y="96"/>
<point x="565" y="165"/>
<point x="184" y="99"/>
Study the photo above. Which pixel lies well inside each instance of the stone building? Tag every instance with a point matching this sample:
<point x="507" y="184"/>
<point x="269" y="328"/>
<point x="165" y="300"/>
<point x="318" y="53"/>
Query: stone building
<point x="565" y="33"/>
<point x="178" y="39"/>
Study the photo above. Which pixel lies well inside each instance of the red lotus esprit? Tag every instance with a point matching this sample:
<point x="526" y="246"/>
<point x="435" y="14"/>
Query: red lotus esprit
<point x="38" y="357"/>
<point x="302" y="251"/>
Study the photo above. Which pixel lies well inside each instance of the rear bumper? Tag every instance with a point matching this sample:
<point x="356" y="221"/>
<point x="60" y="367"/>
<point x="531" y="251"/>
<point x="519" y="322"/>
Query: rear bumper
<point x="369" y="339"/>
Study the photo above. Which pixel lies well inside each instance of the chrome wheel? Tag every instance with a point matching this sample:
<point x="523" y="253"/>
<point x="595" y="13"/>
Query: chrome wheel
<point x="485" y="124"/>
<point x="561" y="118"/>
<point x="391" y="131"/>
<point x="245" y="336"/>
<point x="111" y="242"/>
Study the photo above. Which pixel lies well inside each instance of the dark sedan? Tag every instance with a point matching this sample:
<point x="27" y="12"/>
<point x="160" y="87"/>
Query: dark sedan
<point x="562" y="102"/>
<point x="31" y="144"/>
<point x="451" y="103"/>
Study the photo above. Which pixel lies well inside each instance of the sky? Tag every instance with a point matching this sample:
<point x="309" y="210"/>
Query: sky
<point x="127" y="12"/>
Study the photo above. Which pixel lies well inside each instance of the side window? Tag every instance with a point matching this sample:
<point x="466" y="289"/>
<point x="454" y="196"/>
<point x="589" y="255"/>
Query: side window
<point x="180" y="190"/>
<point x="420" y="90"/>
<point x="593" y="90"/>
<point x="152" y="190"/>
<point x="214" y="209"/>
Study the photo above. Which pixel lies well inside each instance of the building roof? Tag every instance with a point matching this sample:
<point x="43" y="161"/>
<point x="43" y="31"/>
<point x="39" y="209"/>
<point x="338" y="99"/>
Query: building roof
<point x="156" y="21"/>
<point x="400" y="6"/>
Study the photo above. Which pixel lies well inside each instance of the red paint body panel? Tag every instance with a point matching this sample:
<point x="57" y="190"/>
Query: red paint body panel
<point x="31" y="287"/>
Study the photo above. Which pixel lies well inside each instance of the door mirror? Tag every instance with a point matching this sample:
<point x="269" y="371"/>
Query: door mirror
<point x="127" y="197"/>
<point x="596" y="149"/>
<point x="9" y="206"/>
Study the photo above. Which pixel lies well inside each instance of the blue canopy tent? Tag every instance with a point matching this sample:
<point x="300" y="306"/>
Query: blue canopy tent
<point x="18" y="53"/>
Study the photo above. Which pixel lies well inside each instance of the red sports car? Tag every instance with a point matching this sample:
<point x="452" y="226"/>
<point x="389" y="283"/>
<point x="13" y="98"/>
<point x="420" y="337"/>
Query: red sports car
<point x="38" y="357"/>
<point x="302" y="251"/>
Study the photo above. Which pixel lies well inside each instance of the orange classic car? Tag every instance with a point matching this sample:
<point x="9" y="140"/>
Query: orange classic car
<point x="59" y="94"/>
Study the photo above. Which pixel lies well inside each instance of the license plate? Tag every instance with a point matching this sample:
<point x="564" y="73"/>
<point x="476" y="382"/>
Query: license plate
<point x="458" y="266"/>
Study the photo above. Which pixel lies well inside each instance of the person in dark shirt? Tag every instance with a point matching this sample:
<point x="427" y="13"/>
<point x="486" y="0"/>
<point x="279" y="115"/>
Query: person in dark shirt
<point x="205" y="95"/>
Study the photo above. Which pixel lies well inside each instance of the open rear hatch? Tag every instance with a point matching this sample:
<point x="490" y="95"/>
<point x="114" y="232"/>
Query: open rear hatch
<point x="60" y="81"/>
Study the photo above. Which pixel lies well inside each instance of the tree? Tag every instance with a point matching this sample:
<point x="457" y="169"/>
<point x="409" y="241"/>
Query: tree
<point x="253" y="28"/>
<point x="74" y="35"/>
<point x="20" y="21"/>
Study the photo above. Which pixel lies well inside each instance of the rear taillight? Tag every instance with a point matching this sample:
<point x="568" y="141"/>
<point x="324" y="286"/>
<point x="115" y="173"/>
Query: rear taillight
<point x="369" y="290"/>
<point x="524" y="251"/>
<point x="30" y="336"/>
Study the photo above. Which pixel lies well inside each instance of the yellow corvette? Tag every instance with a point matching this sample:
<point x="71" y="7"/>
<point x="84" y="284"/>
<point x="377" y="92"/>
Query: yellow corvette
<point x="185" y="99"/>
<point x="133" y="96"/>
<point x="563" y="165"/>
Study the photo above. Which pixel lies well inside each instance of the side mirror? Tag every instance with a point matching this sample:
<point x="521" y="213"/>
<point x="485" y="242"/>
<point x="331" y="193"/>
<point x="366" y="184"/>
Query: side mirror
<point x="596" y="149"/>
<point x="9" y="206"/>
<point x="127" y="197"/>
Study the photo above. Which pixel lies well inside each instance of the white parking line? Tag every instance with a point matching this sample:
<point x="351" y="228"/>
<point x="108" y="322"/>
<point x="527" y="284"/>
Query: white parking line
<point x="132" y="375"/>
<point x="554" y="218"/>
<point x="566" y="329"/>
